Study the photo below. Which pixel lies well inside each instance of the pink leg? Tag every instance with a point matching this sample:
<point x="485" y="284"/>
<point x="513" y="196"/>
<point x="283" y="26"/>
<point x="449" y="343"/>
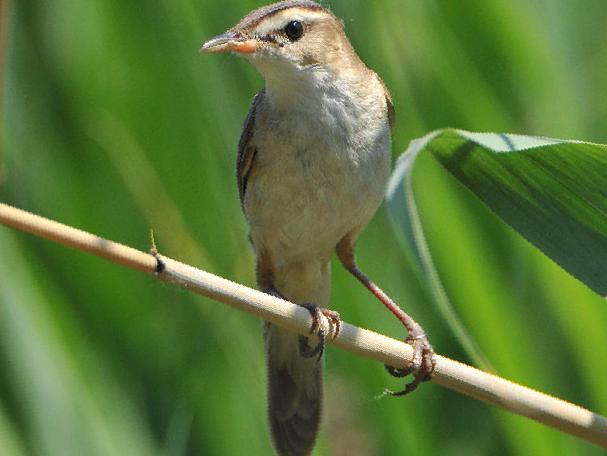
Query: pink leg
<point x="424" y="361"/>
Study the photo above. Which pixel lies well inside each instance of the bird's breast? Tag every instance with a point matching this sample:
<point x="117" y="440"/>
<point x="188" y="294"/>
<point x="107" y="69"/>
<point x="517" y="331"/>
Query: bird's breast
<point x="315" y="179"/>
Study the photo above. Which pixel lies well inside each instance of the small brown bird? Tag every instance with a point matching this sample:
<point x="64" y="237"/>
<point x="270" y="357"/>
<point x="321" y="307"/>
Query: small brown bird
<point x="313" y="163"/>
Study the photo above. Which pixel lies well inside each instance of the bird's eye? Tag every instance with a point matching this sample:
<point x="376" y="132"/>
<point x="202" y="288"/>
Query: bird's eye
<point x="294" y="30"/>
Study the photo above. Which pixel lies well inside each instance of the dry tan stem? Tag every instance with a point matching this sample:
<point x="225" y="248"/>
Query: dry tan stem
<point x="464" y="379"/>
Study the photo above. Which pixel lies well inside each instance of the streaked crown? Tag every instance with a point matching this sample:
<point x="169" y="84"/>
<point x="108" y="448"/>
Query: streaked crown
<point x="300" y="32"/>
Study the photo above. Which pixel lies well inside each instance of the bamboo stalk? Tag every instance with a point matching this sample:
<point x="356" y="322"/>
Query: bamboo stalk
<point x="562" y="415"/>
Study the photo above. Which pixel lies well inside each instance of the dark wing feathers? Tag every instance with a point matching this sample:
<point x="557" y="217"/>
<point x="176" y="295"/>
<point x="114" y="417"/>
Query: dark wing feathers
<point x="389" y="104"/>
<point x="391" y="110"/>
<point x="246" y="151"/>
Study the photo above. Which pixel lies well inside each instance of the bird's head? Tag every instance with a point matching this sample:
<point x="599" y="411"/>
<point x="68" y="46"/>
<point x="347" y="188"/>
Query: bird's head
<point x="289" y="36"/>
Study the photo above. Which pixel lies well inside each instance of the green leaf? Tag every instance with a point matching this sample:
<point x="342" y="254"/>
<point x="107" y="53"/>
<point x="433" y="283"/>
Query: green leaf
<point x="553" y="192"/>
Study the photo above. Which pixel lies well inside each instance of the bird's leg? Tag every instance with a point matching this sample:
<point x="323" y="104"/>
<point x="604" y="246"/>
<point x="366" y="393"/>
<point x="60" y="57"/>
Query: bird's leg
<point x="325" y="323"/>
<point x="423" y="362"/>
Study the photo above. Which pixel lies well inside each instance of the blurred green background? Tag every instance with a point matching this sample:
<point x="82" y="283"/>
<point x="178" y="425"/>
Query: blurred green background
<point x="112" y="122"/>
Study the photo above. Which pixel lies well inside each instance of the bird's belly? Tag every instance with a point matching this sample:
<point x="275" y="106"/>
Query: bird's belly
<point x="301" y="205"/>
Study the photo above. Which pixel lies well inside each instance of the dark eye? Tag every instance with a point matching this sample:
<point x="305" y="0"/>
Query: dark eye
<point x="294" y="30"/>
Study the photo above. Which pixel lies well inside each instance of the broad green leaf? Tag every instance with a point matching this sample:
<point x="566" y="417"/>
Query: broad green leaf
<point x="553" y="192"/>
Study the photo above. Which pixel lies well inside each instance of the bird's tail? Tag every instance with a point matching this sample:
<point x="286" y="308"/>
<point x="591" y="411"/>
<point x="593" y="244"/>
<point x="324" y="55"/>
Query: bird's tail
<point x="294" y="393"/>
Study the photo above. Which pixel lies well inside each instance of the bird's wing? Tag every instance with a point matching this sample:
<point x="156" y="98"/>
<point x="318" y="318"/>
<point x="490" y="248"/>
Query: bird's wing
<point x="246" y="150"/>
<point x="389" y="104"/>
<point x="391" y="110"/>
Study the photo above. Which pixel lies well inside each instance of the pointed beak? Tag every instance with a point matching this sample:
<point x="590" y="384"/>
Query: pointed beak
<point x="230" y="42"/>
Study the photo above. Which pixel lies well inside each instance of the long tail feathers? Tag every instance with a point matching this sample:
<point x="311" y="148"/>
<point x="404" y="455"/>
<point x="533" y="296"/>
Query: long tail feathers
<point x="294" y="394"/>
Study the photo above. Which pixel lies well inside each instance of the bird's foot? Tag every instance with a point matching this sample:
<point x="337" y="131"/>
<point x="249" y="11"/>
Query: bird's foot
<point x="422" y="365"/>
<point x="325" y="323"/>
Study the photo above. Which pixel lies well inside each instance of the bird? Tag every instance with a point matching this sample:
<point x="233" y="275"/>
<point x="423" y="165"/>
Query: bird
<point x="314" y="159"/>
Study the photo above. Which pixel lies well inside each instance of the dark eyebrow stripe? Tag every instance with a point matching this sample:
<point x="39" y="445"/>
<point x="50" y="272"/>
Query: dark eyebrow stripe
<point x="255" y="17"/>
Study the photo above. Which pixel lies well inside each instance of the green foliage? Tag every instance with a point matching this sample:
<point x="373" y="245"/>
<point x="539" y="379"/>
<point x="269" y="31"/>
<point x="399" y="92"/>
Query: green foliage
<point x="113" y="123"/>
<point x="551" y="191"/>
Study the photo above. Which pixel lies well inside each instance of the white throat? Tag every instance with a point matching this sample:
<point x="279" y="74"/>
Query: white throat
<point x="290" y="87"/>
<point x="316" y="100"/>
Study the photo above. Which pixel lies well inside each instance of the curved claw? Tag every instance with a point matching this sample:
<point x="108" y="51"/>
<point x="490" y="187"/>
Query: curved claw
<point x="305" y="351"/>
<point x="398" y="372"/>
<point x="320" y="330"/>
<point x="422" y="365"/>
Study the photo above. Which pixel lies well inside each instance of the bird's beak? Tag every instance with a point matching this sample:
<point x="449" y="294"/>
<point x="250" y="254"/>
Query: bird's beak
<point x="230" y="42"/>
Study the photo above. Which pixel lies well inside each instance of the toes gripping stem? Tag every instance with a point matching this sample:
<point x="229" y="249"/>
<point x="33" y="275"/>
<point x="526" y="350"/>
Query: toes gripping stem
<point x="325" y="323"/>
